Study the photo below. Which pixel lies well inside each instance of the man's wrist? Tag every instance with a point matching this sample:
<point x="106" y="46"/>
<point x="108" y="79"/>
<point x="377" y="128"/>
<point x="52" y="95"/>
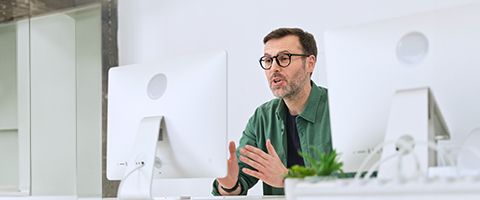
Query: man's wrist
<point x="230" y="190"/>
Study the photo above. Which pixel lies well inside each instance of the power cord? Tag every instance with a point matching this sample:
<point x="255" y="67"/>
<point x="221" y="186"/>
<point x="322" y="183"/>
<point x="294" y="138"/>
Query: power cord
<point x="377" y="164"/>
<point x="139" y="164"/>
<point x="378" y="148"/>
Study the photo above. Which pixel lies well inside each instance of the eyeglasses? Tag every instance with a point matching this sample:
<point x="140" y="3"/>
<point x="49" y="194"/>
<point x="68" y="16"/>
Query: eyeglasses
<point x="283" y="60"/>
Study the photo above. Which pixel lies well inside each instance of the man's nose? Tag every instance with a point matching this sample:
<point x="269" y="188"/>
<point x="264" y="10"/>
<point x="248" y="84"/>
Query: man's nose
<point x="275" y="66"/>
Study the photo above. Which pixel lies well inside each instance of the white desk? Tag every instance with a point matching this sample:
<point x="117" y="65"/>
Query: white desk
<point x="220" y="198"/>
<point x="428" y="189"/>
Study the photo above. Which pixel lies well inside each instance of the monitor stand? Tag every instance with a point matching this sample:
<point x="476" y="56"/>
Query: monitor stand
<point x="137" y="181"/>
<point x="416" y="119"/>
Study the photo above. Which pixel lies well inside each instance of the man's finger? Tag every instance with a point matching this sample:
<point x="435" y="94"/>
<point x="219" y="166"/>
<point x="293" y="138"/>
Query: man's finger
<point x="252" y="163"/>
<point x="253" y="156"/>
<point x="232" y="148"/>
<point x="253" y="173"/>
<point x="257" y="151"/>
<point x="271" y="149"/>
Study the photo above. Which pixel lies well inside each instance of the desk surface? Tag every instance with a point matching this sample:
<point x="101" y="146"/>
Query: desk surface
<point x="252" y="197"/>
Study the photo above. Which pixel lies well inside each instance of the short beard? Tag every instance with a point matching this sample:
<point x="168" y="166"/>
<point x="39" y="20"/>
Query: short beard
<point x="291" y="91"/>
<point x="296" y="86"/>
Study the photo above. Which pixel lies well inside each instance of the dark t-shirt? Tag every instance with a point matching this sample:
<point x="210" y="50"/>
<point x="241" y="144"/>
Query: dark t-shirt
<point x="293" y="143"/>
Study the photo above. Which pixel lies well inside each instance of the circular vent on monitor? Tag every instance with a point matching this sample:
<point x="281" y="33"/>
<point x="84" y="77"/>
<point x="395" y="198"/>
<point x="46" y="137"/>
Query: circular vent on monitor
<point x="412" y="48"/>
<point x="157" y="86"/>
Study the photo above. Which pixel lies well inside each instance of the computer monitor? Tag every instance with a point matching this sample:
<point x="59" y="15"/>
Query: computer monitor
<point x="366" y="65"/>
<point x="190" y="92"/>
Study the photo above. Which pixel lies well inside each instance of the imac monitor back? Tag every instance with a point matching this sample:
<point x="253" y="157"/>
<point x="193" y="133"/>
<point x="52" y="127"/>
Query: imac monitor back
<point x="190" y="92"/>
<point x="368" y="63"/>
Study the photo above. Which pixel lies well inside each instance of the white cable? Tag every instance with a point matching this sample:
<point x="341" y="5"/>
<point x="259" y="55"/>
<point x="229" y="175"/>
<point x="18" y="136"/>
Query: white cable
<point x="377" y="164"/>
<point x="448" y="154"/>
<point x="419" y="171"/>
<point x="429" y="144"/>
<point x="433" y="146"/>
<point x="476" y="153"/>
<point x="453" y="148"/>
<point x="369" y="157"/>
<point x="459" y="150"/>
<point x="404" y="152"/>
<point x="399" y="166"/>
<point x="441" y="160"/>
<point x="140" y="165"/>
<point x="472" y="149"/>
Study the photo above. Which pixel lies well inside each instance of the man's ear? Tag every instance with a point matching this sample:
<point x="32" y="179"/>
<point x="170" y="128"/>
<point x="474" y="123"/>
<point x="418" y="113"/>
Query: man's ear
<point x="311" y="61"/>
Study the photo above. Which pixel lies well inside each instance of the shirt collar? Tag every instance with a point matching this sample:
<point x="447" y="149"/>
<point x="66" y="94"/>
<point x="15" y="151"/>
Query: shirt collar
<point x="310" y="111"/>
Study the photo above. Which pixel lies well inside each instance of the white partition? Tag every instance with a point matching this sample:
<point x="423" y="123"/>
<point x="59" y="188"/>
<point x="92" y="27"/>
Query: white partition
<point x="8" y="109"/>
<point x="53" y="109"/>
<point x="89" y="102"/>
<point x="23" y="85"/>
<point x="50" y="104"/>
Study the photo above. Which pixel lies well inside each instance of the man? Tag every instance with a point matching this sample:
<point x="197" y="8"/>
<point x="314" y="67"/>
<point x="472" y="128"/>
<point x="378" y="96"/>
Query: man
<point x="298" y="120"/>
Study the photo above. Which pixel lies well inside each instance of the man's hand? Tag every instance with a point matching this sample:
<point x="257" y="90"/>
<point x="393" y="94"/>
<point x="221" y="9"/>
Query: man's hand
<point x="269" y="167"/>
<point x="232" y="173"/>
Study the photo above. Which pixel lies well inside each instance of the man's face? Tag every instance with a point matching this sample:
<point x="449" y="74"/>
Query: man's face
<point x="287" y="82"/>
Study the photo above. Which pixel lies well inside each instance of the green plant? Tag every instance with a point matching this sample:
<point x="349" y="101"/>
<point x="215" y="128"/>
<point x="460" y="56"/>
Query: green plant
<point x="325" y="164"/>
<point x="298" y="171"/>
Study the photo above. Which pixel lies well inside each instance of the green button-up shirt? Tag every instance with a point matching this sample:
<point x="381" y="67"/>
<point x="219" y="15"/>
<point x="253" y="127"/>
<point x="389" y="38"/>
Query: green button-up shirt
<point x="313" y="126"/>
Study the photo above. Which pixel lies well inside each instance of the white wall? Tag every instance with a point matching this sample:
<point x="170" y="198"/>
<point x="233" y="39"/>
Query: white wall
<point x="151" y="30"/>
<point x="8" y="109"/>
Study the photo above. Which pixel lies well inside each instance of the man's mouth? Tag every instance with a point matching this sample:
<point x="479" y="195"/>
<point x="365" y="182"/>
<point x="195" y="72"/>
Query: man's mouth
<point x="277" y="81"/>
